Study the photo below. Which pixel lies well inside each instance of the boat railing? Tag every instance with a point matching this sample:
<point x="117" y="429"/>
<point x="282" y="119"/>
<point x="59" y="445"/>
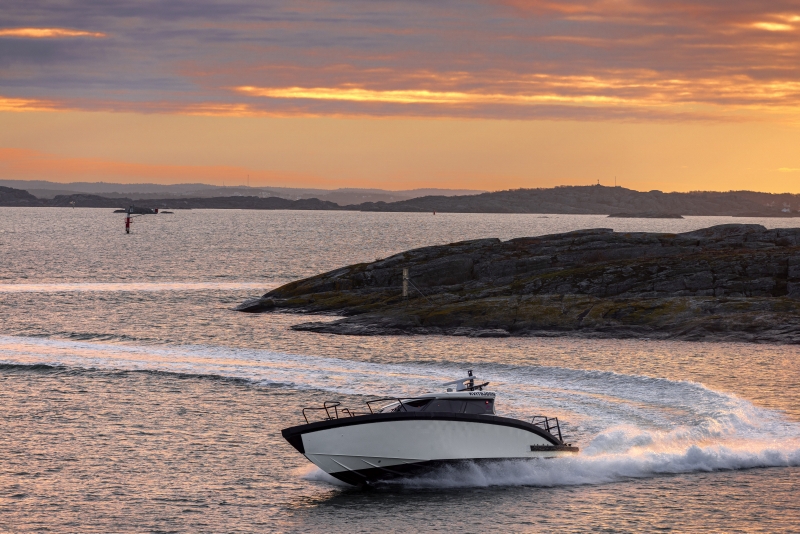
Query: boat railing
<point x="549" y="424"/>
<point x="327" y="406"/>
<point x="333" y="411"/>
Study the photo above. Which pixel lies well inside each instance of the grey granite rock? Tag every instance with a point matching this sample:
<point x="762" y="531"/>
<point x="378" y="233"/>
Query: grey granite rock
<point x="707" y="284"/>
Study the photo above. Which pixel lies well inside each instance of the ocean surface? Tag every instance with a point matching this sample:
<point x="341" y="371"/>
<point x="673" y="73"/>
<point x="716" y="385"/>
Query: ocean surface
<point x="135" y="400"/>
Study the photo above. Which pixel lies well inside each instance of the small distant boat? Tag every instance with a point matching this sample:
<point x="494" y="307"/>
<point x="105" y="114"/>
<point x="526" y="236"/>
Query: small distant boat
<point x="409" y="436"/>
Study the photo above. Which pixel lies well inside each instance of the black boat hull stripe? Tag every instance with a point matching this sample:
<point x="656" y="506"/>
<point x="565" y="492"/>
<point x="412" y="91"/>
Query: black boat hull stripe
<point x="376" y="475"/>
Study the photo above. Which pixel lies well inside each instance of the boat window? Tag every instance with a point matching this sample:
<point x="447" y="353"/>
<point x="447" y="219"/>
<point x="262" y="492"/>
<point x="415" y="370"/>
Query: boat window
<point x="445" y="405"/>
<point x="457" y="406"/>
<point x="440" y="405"/>
<point x="480" y="406"/>
<point x="413" y="405"/>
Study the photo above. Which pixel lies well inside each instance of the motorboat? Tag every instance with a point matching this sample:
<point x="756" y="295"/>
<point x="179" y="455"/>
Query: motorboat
<point x="400" y="437"/>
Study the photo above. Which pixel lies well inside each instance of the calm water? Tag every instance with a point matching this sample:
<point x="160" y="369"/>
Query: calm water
<point x="134" y="399"/>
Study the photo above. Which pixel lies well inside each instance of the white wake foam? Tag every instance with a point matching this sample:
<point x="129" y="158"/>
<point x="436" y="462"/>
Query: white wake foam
<point x="626" y="425"/>
<point x="598" y="469"/>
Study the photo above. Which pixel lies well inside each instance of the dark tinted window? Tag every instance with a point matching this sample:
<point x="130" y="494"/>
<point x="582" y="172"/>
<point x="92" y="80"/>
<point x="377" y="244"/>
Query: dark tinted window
<point x="445" y="405"/>
<point x="480" y="406"/>
<point x="412" y="406"/>
<point x="457" y="406"/>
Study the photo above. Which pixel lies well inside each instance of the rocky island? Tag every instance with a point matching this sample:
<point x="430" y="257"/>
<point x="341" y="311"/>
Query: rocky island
<point x="732" y="282"/>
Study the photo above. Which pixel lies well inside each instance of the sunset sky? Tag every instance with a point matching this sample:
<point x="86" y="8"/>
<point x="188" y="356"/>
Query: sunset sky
<point x="670" y="95"/>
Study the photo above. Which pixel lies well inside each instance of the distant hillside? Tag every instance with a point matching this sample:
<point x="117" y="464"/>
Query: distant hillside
<point x="599" y="200"/>
<point x="144" y="191"/>
<point x="20" y="198"/>
<point x="16" y="197"/>
<point x="568" y="200"/>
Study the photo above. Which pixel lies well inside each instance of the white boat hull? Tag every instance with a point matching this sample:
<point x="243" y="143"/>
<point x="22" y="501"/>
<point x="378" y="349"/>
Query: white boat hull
<point x="360" y="450"/>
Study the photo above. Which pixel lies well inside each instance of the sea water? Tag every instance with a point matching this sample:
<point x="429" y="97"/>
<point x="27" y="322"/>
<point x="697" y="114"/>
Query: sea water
<point x="135" y="399"/>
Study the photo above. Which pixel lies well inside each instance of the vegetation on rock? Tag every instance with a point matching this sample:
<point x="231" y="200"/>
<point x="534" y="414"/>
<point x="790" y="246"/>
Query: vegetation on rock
<point x="737" y="282"/>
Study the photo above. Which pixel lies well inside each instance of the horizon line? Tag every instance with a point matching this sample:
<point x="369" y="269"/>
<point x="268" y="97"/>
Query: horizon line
<point x="476" y="191"/>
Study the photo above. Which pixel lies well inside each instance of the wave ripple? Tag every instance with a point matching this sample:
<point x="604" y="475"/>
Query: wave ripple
<point x="628" y="426"/>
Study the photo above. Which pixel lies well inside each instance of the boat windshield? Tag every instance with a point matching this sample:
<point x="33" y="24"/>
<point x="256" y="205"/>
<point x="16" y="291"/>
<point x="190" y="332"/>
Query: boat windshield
<point x="407" y="406"/>
<point x="479" y="406"/>
<point x="474" y="406"/>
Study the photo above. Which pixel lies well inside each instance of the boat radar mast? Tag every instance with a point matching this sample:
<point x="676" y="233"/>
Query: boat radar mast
<point x="466" y="384"/>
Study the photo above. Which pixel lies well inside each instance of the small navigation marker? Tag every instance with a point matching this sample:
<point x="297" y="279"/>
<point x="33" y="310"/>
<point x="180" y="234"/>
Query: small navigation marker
<point x="132" y="212"/>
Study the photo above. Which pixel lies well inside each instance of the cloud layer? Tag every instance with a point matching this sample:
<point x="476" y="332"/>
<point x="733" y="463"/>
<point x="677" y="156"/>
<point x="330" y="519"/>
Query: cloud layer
<point x="584" y="59"/>
<point x="47" y="33"/>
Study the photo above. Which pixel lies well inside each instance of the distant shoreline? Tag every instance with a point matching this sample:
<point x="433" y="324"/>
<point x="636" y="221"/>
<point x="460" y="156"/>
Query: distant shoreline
<point x="586" y="200"/>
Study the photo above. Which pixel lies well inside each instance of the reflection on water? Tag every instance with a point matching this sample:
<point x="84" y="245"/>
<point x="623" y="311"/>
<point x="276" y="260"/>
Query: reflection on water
<point x="129" y="287"/>
<point x="682" y="503"/>
<point x="89" y="245"/>
<point x="764" y="374"/>
<point x="165" y="410"/>
<point x="97" y="451"/>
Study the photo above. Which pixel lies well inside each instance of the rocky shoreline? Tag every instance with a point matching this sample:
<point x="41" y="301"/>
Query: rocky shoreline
<point x="731" y="282"/>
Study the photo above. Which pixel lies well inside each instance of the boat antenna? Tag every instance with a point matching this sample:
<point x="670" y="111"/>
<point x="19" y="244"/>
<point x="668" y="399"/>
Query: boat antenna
<point x="467" y="384"/>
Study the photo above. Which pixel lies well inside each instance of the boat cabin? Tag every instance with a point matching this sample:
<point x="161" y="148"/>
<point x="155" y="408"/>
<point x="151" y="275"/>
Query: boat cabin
<point x="445" y="402"/>
<point x="468" y="397"/>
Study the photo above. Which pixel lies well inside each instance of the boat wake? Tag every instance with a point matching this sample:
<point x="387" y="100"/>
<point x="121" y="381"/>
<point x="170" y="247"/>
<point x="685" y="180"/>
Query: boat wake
<point x="627" y="426"/>
<point x="596" y="467"/>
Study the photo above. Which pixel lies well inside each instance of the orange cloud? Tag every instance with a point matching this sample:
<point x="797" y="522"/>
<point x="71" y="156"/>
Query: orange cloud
<point x="211" y="109"/>
<point x="602" y="8"/>
<point x="773" y="26"/>
<point x="628" y="89"/>
<point x="47" y="33"/>
<point x="26" y="104"/>
<point x="587" y="59"/>
<point x="639" y="92"/>
<point x="418" y="96"/>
